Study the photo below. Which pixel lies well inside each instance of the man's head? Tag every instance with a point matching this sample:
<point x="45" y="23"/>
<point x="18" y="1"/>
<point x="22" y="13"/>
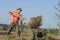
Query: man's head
<point x="19" y="10"/>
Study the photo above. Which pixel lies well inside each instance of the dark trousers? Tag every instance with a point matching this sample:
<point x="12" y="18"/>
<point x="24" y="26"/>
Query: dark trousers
<point x="17" y="28"/>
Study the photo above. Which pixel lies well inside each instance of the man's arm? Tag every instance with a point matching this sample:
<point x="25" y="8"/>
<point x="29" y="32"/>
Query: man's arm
<point x="21" y="18"/>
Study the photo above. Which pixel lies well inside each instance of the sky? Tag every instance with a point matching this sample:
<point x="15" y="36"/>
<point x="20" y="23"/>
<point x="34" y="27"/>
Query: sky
<point x="30" y="8"/>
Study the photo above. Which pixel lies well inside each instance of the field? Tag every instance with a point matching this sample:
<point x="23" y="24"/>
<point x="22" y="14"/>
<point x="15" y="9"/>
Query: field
<point x="24" y="36"/>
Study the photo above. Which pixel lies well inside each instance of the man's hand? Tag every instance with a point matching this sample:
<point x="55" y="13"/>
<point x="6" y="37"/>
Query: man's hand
<point x="24" y="19"/>
<point x="10" y="13"/>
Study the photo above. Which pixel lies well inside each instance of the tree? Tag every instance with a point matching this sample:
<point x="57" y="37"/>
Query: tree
<point x="58" y="16"/>
<point x="35" y="22"/>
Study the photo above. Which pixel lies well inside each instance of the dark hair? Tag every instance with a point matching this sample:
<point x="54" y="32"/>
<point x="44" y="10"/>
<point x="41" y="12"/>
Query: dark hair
<point x="19" y="9"/>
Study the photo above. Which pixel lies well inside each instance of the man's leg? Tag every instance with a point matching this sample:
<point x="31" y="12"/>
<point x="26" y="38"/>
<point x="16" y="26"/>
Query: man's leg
<point x="11" y="27"/>
<point x="18" y="30"/>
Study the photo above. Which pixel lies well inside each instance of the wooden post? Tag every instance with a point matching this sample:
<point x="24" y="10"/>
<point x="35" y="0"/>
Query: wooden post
<point x="21" y="25"/>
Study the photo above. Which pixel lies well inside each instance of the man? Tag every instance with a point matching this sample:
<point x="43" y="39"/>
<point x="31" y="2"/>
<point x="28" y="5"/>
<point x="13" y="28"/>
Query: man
<point x="16" y="15"/>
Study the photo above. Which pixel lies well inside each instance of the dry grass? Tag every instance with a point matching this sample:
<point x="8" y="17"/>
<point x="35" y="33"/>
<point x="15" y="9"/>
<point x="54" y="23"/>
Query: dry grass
<point x="54" y="36"/>
<point x="25" y="35"/>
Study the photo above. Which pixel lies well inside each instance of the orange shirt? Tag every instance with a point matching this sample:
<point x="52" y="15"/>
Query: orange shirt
<point x="15" y="17"/>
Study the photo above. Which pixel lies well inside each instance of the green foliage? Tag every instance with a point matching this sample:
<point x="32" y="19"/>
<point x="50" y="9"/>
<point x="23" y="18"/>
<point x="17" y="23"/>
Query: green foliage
<point x="1" y="28"/>
<point x="53" y="31"/>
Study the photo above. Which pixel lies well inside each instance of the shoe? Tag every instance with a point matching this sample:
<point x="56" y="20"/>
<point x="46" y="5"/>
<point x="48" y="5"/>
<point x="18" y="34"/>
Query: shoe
<point x="8" y="33"/>
<point x="18" y="33"/>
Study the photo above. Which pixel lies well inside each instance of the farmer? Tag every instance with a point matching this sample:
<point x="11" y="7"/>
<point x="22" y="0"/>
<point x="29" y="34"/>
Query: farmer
<point x="16" y="15"/>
